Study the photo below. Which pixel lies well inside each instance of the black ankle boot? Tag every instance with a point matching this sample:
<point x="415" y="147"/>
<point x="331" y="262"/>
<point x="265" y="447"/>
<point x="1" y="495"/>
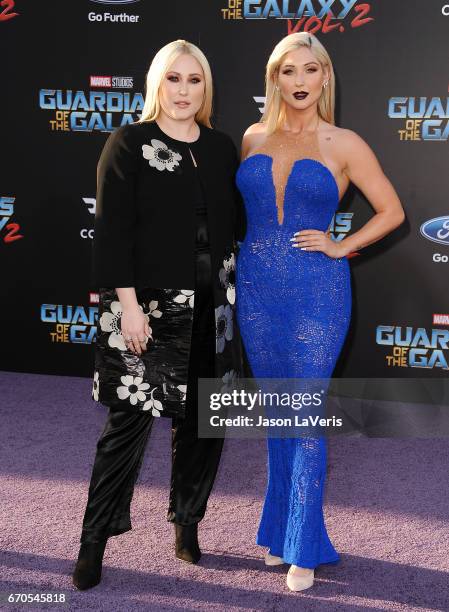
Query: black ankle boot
<point x="87" y="573"/>
<point x="187" y="547"/>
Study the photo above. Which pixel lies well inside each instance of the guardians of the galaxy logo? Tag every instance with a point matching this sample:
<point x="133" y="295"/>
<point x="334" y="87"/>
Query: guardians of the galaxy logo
<point x="7" y="10"/>
<point x="80" y="111"/>
<point x="303" y="15"/>
<point x="71" y="324"/>
<point x="340" y="225"/>
<point x="12" y="229"/>
<point x="416" y="348"/>
<point x="423" y="118"/>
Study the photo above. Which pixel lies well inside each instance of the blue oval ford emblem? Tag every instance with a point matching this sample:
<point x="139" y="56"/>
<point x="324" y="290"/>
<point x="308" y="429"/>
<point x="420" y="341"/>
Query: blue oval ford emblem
<point x="436" y="230"/>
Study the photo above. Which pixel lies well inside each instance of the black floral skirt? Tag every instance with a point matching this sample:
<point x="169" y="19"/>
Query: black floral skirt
<point x="156" y="380"/>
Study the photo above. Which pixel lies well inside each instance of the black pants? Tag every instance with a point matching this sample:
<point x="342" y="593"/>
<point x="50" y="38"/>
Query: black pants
<point x="121" y="446"/>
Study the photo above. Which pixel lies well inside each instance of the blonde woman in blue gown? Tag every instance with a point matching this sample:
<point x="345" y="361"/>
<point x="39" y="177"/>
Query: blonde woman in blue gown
<point x="293" y="280"/>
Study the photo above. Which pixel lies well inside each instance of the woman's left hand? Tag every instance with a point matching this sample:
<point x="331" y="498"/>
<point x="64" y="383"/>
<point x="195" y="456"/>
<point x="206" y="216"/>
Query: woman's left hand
<point x="316" y="240"/>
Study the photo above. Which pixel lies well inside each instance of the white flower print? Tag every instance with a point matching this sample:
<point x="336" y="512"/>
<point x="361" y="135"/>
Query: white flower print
<point x="183" y="389"/>
<point x="160" y="156"/>
<point x="109" y="322"/>
<point x="185" y="296"/>
<point x="224" y="330"/>
<point x="96" y="386"/>
<point x="153" y="404"/>
<point x="229" y="380"/>
<point x="227" y="277"/>
<point x="153" y="311"/>
<point x="133" y="388"/>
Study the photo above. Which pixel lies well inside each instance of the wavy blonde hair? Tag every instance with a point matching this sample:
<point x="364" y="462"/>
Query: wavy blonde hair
<point x="274" y="114"/>
<point x="159" y="67"/>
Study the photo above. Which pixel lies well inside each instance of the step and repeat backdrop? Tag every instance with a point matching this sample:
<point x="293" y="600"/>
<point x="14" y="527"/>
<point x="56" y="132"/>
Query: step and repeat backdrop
<point x="74" y="71"/>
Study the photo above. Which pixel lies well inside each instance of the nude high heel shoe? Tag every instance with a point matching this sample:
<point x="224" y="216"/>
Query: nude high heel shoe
<point x="272" y="559"/>
<point x="302" y="581"/>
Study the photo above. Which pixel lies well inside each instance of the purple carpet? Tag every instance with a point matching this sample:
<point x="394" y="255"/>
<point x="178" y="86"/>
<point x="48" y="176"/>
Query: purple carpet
<point x="386" y="509"/>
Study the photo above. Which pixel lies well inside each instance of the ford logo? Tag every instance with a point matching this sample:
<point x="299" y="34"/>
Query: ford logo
<point x="436" y="230"/>
<point x="114" y="1"/>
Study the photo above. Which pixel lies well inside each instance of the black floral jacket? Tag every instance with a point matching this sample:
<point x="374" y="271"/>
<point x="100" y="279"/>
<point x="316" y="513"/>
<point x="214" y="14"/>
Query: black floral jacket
<point x="145" y="238"/>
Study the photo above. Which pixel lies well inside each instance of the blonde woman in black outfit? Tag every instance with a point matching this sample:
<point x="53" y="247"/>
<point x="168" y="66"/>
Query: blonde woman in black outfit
<point x="163" y="263"/>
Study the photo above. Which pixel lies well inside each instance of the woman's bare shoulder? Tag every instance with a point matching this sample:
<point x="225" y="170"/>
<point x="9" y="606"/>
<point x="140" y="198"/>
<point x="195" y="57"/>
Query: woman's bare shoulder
<point x="342" y="136"/>
<point x="253" y="137"/>
<point x="256" y="128"/>
<point x="344" y="143"/>
<point x="333" y="131"/>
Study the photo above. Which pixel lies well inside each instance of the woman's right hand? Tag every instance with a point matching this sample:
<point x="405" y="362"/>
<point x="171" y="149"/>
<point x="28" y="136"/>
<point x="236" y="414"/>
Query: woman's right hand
<point x="135" y="329"/>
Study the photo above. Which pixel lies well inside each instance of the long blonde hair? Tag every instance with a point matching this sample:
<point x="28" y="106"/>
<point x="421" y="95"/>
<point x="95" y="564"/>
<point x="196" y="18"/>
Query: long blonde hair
<point x="274" y="114"/>
<point x="159" y="67"/>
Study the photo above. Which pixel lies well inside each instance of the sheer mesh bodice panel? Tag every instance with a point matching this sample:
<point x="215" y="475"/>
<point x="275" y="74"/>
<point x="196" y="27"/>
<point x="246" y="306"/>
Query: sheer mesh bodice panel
<point x="285" y="149"/>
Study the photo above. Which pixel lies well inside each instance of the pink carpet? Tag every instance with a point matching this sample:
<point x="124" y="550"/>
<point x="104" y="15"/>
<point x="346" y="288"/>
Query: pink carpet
<point x="386" y="511"/>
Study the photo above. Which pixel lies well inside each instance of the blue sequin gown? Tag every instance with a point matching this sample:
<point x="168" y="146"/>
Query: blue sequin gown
<point x="293" y="309"/>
